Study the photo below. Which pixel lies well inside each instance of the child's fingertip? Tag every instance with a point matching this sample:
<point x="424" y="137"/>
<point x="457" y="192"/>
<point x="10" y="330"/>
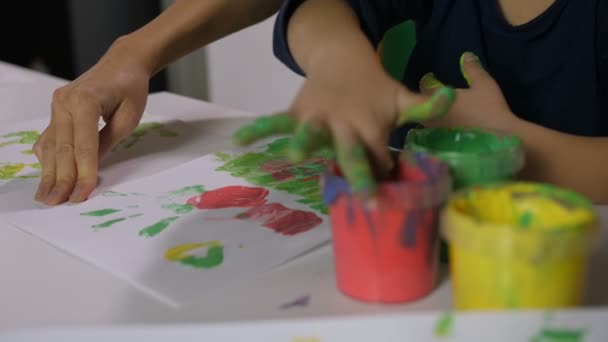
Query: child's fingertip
<point x="429" y="82"/>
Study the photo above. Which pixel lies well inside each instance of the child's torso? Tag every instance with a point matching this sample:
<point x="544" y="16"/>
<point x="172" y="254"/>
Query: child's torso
<point x="548" y="68"/>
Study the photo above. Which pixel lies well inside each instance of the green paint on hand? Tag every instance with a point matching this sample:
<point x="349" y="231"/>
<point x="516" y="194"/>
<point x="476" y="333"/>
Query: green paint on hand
<point x="10" y="171"/>
<point x="559" y="335"/>
<point x="188" y="191"/>
<point x="357" y="169"/>
<point x="214" y="257"/>
<point x="264" y="127"/>
<point x="108" y="224"/>
<point x="270" y="169"/>
<point x="437" y="106"/>
<point x="157" y="227"/>
<point x="445" y="325"/>
<point x="102" y="212"/>
<point x="179" y="209"/>
<point x="27" y="152"/>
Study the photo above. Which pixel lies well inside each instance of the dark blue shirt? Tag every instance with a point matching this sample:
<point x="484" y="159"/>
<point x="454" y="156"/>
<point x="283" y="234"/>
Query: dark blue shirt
<point x="552" y="70"/>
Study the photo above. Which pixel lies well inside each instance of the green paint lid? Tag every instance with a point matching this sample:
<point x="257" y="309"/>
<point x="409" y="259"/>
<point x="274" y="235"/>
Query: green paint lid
<point x="474" y="155"/>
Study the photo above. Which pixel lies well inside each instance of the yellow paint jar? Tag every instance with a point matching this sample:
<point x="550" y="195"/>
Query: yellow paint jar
<point x="518" y="245"/>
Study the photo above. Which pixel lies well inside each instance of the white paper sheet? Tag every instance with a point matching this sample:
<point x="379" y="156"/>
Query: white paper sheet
<point x="562" y="326"/>
<point x="257" y="231"/>
<point x="19" y="168"/>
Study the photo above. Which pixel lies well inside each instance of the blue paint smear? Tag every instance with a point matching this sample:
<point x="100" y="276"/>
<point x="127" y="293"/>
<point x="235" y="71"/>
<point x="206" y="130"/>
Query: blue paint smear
<point x="334" y="187"/>
<point x="408" y="233"/>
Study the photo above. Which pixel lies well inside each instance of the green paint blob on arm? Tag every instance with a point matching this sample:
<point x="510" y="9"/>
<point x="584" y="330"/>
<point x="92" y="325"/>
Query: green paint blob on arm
<point x="157" y="227"/>
<point x="102" y="212"/>
<point x="108" y="224"/>
<point x="179" y="209"/>
<point x="445" y="325"/>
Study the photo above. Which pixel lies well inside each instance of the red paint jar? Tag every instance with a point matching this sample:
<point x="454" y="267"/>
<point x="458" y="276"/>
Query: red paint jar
<point x="388" y="253"/>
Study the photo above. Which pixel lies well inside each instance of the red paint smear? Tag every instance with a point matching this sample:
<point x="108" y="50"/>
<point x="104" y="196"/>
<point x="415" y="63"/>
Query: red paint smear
<point x="283" y="220"/>
<point x="278" y="170"/>
<point x="230" y="197"/>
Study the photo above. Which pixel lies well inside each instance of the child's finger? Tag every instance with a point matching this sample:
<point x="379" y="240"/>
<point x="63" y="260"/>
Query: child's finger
<point x="353" y="162"/>
<point x="432" y="108"/>
<point x="264" y="127"/>
<point x="429" y="83"/>
<point x="376" y="141"/>
<point x="307" y="138"/>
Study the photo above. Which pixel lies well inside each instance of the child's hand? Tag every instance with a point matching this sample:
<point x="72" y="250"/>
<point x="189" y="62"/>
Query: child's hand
<point x="481" y="105"/>
<point x="351" y="107"/>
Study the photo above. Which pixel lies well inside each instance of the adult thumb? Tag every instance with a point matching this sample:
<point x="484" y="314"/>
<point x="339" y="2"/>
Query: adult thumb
<point x="472" y="70"/>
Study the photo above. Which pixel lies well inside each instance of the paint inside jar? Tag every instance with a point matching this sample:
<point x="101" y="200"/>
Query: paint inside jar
<point x="518" y="245"/>
<point x="388" y="252"/>
<point x="475" y="156"/>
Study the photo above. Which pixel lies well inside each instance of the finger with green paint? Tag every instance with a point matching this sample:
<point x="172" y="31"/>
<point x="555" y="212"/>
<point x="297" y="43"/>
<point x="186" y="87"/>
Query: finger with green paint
<point x="264" y="127"/>
<point x="354" y="162"/>
<point x="307" y="139"/>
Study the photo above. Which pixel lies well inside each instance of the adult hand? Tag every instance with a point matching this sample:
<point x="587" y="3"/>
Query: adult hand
<point x="71" y="146"/>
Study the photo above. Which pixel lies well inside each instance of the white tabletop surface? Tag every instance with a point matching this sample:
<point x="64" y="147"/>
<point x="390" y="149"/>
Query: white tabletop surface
<point x="41" y="286"/>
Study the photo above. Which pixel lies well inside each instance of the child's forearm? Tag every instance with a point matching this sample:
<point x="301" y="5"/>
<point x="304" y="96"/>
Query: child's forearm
<point x="323" y="32"/>
<point x="188" y="25"/>
<point x="578" y="163"/>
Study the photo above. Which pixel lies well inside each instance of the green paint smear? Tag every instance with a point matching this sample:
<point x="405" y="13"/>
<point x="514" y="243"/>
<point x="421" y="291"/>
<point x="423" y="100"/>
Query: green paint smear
<point x="119" y="194"/>
<point x="108" y="224"/>
<point x="188" y="191"/>
<point x="248" y="166"/>
<point x="559" y="335"/>
<point x="136" y="215"/>
<point x="444" y="325"/>
<point x="179" y="208"/>
<point x="27" y="152"/>
<point x="36" y="166"/>
<point x="157" y="227"/>
<point x="102" y="212"/>
<point x="23" y="137"/>
<point x="143" y="129"/>
<point x="214" y="257"/>
<point x="10" y="171"/>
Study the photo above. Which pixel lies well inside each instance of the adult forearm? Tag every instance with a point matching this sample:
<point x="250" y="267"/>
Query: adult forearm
<point x="578" y="163"/>
<point x="188" y="25"/>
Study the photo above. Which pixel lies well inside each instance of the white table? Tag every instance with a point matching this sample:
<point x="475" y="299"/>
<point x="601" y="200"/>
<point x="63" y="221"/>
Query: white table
<point x="41" y="286"/>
